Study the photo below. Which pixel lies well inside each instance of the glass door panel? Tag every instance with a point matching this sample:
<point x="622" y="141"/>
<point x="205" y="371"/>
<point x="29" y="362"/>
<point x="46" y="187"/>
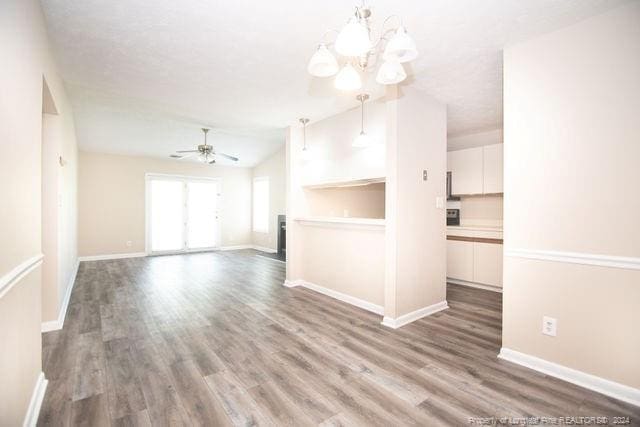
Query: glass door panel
<point x="202" y="213"/>
<point x="167" y="219"/>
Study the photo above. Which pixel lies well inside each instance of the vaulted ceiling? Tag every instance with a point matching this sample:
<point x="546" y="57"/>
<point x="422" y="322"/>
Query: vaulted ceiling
<point x="145" y="75"/>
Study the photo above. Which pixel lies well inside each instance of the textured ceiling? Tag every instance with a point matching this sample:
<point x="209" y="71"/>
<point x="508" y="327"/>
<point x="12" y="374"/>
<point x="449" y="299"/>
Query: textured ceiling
<point x="145" y="75"/>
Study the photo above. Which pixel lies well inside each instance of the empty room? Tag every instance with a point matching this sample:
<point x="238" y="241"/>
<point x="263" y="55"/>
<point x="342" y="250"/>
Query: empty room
<point x="297" y="213"/>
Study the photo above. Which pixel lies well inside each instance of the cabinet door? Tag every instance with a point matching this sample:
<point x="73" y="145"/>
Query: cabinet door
<point x="487" y="263"/>
<point x="466" y="171"/>
<point x="492" y="174"/>
<point x="460" y="260"/>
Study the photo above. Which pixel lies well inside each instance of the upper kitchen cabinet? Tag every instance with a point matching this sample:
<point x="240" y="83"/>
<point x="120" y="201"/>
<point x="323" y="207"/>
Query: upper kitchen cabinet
<point x="476" y="170"/>
<point x="466" y="171"/>
<point x="492" y="174"/>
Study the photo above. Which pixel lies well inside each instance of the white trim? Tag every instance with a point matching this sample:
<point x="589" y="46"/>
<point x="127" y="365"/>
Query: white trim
<point x="365" y="305"/>
<point x="264" y="249"/>
<point x="414" y="315"/>
<point x="54" y="325"/>
<point x="591" y="382"/>
<point x="33" y="411"/>
<point x="234" y="248"/>
<point x="111" y="256"/>
<point x="630" y="263"/>
<point x="14" y="276"/>
<point x="337" y="222"/>
<point x="474" y="285"/>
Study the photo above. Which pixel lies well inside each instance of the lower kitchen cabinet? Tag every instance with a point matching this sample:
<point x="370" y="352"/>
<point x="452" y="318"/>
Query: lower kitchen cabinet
<point x="460" y="260"/>
<point x="487" y="263"/>
<point x="476" y="262"/>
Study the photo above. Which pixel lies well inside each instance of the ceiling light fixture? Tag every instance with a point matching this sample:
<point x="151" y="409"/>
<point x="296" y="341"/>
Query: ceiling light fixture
<point x="305" y="150"/>
<point x="354" y="42"/>
<point x="363" y="139"/>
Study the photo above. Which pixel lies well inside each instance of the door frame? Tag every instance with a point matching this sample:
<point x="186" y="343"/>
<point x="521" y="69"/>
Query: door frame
<point x="184" y="179"/>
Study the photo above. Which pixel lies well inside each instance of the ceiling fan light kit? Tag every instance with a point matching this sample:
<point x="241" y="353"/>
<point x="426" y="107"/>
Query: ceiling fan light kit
<point x="205" y="152"/>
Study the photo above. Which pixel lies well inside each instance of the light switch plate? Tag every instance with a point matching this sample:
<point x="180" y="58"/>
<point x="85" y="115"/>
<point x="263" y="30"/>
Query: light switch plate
<point x="549" y="326"/>
<point x="439" y="202"/>
<point x="424" y="175"/>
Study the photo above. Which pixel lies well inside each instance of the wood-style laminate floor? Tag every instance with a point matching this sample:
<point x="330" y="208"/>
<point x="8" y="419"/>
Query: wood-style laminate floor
<point x="214" y="339"/>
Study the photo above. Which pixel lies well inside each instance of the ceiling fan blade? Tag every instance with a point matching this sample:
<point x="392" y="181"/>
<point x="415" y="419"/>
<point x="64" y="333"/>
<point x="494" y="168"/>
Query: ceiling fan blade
<point x="187" y="151"/>
<point x="182" y="157"/>
<point x="235" y="159"/>
<point x="175" y="156"/>
<point x="212" y="161"/>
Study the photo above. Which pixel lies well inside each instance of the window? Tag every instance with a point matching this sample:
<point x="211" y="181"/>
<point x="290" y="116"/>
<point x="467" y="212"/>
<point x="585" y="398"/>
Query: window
<point x="261" y="204"/>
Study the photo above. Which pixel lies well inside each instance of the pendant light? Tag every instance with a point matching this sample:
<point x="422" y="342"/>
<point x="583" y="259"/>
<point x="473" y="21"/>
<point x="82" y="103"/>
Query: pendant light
<point x="363" y="139"/>
<point x="305" y="150"/>
<point x="348" y="79"/>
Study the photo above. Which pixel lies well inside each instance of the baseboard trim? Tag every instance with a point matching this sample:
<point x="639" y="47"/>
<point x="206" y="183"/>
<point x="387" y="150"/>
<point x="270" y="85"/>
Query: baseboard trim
<point x="33" y="411"/>
<point x="474" y="285"/>
<point x="54" y="325"/>
<point x="365" y="305"/>
<point x="414" y="315"/>
<point x="111" y="256"/>
<point x="610" y="388"/>
<point x="612" y="261"/>
<point x="16" y="274"/>
<point x="264" y="249"/>
<point x="234" y="248"/>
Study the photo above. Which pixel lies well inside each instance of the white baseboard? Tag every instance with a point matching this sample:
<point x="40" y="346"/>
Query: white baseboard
<point x="264" y="249"/>
<point x="33" y="411"/>
<point x="591" y="382"/>
<point x="365" y="305"/>
<point x="234" y="248"/>
<point x="474" y="285"/>
<point x="414" y="315"/>
<point x="111" y="256"/>
<point x="54" y="325"/>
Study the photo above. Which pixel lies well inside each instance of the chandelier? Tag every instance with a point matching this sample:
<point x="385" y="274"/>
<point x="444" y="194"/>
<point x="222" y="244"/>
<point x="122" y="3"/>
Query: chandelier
<point x="360" y="51"/>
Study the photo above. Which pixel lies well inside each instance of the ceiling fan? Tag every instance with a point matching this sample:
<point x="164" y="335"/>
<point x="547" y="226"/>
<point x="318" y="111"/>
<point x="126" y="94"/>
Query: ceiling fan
<point x="205" y="152"/>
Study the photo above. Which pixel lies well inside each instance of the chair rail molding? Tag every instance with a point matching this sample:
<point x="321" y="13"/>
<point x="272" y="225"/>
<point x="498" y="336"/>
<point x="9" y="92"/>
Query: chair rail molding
<point x="16" y="274"/>
<point x="612" y="261"/>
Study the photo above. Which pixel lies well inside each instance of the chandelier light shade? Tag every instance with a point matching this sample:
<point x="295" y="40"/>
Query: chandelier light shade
<point x="353" y="40"/>
<point x="391" y="72"/>
<point x="387" y="51"/>
<point x="401" y="47"/>
<point x="348" y="79"/>
<point x="323" y="63"/>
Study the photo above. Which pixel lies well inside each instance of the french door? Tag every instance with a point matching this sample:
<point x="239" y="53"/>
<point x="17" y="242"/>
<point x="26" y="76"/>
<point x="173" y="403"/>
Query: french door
<point x="182" y="214"/>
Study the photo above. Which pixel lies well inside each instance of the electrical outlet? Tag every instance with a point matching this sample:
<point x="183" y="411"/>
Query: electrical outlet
<point x="129" y="243"/>
<point x="549" y="326"/>
<point x="439" y="202"/>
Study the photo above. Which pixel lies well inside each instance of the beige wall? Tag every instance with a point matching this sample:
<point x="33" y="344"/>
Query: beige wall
<point x="275" y="169"/>
<point x="25" y="61"/>
<point x="416" y="230"/>
<point x="363" y="201"/>
<point x="112" y="201"/>
<point x="474" y="139"/>
<point x="481" y="210"/>
<point x="572" y="99"/>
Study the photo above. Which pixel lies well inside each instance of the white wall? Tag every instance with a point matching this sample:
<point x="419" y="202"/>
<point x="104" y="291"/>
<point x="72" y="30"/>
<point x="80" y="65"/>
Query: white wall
<point x="474" y="139"/>
<point x="275" y="169"/>
<point x="112" y="201"/>
<point x="415" y="227"/>
<point x="25" y="61"/>
<point x="572" y="133"/>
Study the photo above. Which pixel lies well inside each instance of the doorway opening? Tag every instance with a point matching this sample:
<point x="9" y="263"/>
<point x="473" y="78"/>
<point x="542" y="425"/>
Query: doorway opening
<point x="182" y="214"/>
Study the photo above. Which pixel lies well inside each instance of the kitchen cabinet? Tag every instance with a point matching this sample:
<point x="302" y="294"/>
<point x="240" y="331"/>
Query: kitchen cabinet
<point x="466" y="171"/>
<point x="476" y="262"/>
<point x="492" y="158"/>
<point x="476" y="170"/>
<point x="487" y="263"/>
<point x="460" y="260"/>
